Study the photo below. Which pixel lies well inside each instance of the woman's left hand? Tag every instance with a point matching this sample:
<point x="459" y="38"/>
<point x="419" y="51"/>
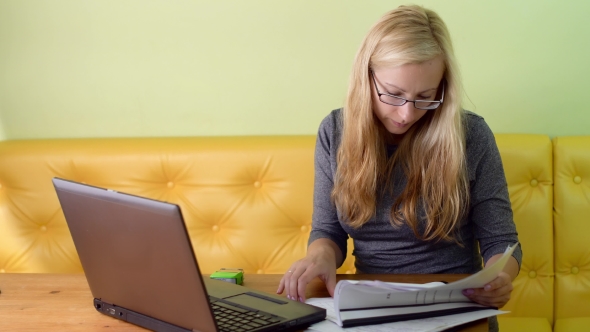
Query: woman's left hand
<point x="494" y="294"/>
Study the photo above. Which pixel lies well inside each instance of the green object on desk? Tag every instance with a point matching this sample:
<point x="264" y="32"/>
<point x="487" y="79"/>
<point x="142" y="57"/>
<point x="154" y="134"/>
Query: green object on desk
<point x="235" y="276"/>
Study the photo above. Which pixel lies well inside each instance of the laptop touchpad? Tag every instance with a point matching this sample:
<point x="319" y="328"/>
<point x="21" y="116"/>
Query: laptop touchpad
<point x="254" y="300"/>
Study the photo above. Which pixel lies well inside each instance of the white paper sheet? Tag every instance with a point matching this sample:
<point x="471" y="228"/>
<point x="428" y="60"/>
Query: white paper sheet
<point x="427" y="324"/>
<point x="376" y="294"/>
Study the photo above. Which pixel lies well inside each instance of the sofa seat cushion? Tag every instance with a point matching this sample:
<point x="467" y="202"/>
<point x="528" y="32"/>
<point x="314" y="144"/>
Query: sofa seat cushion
<point x="572" y="324"/>
<point x="519" y="324"/>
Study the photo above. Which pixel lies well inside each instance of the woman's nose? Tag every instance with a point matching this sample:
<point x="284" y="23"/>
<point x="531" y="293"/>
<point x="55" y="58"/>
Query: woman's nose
<point x="405" y="111"/>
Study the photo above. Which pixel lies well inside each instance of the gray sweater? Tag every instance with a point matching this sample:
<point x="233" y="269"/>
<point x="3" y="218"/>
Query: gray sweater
<point x="380" y="247"/>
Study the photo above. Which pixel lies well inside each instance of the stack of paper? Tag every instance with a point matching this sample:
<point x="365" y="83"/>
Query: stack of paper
<point x="374" y="302"/>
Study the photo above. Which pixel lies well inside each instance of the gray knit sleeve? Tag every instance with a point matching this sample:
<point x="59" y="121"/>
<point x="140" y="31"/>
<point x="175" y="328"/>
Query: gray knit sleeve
<point x="325" y="222"/>
<point x="490" y="207"/>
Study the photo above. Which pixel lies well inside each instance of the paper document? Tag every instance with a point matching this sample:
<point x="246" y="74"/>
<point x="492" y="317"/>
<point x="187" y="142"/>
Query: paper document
<point x="372" y="302"/>
<point x="431" y="324"/>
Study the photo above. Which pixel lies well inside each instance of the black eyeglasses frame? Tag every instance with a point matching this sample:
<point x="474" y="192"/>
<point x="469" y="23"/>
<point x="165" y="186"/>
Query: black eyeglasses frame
<point x="403" y="100"/>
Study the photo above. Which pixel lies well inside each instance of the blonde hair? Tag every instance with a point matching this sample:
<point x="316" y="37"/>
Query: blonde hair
<point x="432" y="152"/>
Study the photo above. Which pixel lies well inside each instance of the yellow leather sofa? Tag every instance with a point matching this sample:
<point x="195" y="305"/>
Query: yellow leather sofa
<point x="247" y="203"/>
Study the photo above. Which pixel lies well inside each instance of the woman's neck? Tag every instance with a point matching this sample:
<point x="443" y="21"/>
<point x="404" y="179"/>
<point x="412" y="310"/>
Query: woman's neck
<point x="393" y="139"/>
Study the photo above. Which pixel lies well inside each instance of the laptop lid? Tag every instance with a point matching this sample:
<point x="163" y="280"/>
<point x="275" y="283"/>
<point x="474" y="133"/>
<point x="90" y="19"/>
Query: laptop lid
<point x="140" y="264"/>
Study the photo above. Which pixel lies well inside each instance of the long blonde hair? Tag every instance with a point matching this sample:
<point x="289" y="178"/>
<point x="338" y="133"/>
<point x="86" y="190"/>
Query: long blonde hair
<point x="432" y="152"/>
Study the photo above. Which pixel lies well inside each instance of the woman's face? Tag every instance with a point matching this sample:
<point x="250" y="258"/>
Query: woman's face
<point x="410" y="81"/>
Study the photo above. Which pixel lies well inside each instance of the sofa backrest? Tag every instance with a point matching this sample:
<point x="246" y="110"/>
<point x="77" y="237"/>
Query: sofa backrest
<point x="528" y="164"/>
<point x="572" y="226"/>
<point x="247" y="201"/>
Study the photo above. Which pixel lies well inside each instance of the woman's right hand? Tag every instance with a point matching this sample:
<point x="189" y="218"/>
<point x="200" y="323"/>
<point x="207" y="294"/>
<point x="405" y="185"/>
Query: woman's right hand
<point x="319" y="262"/>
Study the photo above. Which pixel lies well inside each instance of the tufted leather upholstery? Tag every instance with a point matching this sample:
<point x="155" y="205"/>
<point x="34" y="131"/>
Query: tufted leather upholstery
<point x="528" y="164"/>
<point x="572" y="233"/>
<point x="247" y="203"/>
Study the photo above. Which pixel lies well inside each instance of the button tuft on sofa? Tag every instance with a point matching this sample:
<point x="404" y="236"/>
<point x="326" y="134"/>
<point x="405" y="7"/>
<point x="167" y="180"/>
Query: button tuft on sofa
<point x="260" y="190"/>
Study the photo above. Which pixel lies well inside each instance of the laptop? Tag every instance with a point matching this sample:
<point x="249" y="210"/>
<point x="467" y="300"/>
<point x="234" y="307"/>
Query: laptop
<point x="141" y="268"/>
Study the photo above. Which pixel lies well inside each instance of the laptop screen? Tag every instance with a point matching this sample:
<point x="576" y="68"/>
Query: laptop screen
<point x="138" y="259"/>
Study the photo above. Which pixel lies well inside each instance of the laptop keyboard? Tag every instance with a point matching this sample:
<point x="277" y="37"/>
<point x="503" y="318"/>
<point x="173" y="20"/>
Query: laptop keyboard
<point x="234" y="319"/>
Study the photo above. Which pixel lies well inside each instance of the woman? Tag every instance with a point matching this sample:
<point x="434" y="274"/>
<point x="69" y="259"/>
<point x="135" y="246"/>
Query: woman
<point x="416" y="181"/>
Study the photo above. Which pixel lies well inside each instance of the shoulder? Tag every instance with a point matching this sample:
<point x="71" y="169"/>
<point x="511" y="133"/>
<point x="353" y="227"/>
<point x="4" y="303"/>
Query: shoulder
<point x="480" y="145"/>
<point x="331" y="127"/>
<point x="477" y="132"/>
<point x="332" y="122"/>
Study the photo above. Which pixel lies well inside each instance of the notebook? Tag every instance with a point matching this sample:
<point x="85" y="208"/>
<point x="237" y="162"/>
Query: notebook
<point x="141" y="268"/>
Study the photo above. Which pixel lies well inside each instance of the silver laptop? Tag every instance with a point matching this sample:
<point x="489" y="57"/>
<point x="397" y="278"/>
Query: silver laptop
<point x="140" y="266"/>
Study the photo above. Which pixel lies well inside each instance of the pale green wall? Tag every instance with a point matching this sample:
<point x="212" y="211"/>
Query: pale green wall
<point x="71" y="68"/>
<point x="2" y="134"/>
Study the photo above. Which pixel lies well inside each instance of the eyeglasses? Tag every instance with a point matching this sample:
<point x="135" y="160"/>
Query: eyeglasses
<point x="400" y="101"/>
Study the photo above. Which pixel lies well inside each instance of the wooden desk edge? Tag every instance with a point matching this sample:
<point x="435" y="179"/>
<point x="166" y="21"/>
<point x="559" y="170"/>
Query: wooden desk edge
<point x="38" y="301"/>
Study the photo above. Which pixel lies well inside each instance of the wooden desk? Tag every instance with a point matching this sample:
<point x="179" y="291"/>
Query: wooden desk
<point x="63" y="302"/>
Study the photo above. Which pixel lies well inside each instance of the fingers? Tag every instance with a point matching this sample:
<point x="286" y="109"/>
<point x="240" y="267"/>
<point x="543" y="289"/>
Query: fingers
<point x="293" y="283"/>
<point x="298" y="280"/>
<point x="281" y="286"/>
<point x="319" y="262"/>
<point x="500" y="281"/>
<point x="496" y="298"/>
<point x="330" y="282"/>
<point x="295" y="280"/>
<point x="302" y="282"/>
<point x="496" y="293"/>
<point x="284" y="284"/>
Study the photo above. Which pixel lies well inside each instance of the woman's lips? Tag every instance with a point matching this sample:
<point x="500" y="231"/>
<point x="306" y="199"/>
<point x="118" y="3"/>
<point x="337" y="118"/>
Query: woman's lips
<point x="397" y="124"/>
